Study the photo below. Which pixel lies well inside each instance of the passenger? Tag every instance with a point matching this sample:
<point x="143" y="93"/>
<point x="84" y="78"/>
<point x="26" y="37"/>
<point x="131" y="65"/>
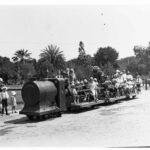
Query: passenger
<point x="1" y="85"/>
<point x="130" y="83"/>
<point x="121" y="83"/>
<point x="92" y="86"/>
<point x="4" y="97"/>
<point x="139" y="83"/>
<point x="95" y="80"/>
<point x="117" y="73"/>
<point x="124" y="76"/>
<point x="117" y="81"/>
<point x="82" y="83"/>
<point x="129" y="77"/>
<point x="75" y="94"/>
<point x="59" y="75"/>
<point x="67" y="88"/>
<point x="85" y="84"/>
<point x="68" y="71"/>
<point x="78" y="86"/>
<point x="72" y="75"/>
<point x="96" y="88"/>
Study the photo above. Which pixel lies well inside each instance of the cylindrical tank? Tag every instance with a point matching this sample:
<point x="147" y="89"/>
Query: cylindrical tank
<point x="39" y="97"/>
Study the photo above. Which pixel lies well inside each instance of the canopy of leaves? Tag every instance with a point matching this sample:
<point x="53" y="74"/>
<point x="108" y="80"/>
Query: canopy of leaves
<point x="21" y="56"/>
<point x="27" y="70"/>
<point x="7" y="69"/>
<point x="51" y="60"/>
<point x="105" y="55"/>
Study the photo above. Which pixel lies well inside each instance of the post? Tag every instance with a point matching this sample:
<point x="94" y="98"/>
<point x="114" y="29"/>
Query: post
<point x="145" y="84"/>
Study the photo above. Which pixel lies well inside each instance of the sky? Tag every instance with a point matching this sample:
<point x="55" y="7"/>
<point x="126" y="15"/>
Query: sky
<point x="34" y="27"/>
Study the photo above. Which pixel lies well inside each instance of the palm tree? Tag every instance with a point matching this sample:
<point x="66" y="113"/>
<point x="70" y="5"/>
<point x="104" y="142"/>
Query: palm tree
<point x="53" y="57"/>
<point x="21" y="56"/>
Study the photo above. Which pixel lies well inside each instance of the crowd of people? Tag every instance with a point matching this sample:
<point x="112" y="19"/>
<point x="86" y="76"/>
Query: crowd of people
<point x="4" y="97"/>
<point x="119" y="84"/>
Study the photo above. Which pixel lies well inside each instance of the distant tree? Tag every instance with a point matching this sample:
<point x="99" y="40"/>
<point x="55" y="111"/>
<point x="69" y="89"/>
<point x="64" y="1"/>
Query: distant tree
<point x="85" y="60"/>
<point x="83" y="72"/>
<point x="97" y="73"/>
<point x="51" y="60"/>
<point x="124" y="62"/>
<point x="7" y="69"/>
<point x="27" y="71"/>
<point x="23" y="62"/>
<point x="142" y="59"/>
<point x="105" y="55"/>
<point x="106" y="59"/>
<point x="21" y="56"/>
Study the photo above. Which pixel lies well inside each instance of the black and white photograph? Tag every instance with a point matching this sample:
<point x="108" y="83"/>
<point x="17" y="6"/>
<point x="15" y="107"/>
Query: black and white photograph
<point x="75" y="75"/>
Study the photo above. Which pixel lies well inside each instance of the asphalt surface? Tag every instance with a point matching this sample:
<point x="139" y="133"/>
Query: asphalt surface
<point x="125" y="124"/>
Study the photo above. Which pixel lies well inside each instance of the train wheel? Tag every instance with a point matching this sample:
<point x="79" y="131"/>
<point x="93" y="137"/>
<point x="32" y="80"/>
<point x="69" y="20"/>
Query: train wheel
<point x="58" y="114"/>
<point x="134" y="96"/>
<point x="30" y="117"/>
<point x="43" y="117"/>
<point x="69" y="109"/>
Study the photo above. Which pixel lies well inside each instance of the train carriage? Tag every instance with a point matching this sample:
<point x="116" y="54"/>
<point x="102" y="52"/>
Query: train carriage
<point x="50" y="97"/>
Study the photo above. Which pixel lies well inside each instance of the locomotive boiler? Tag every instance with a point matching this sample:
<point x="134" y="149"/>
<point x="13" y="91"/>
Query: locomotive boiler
<point x="44" y="98"/>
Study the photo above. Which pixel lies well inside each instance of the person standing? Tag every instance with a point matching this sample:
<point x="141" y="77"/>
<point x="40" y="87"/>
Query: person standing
<point x="13" y="101"/>
<point x="4" y="97"/>
<point x="72" y="76"/>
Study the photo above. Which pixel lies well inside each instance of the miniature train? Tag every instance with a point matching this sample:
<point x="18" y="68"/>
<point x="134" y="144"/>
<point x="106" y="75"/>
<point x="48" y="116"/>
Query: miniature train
<point x="49" y="97"/>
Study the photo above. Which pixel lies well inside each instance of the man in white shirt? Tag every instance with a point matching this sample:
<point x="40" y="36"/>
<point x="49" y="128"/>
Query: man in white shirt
<point x="124" y="76"/>
<point x="4" y="97"/>
<point x="129" y="77"/>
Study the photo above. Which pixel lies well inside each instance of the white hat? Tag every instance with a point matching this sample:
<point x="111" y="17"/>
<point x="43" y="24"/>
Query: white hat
<point x="91" y="78"/>
<point x="82" y="82"/>
<point x="4" y="87"/>
<point x="1" y="80"/>
<point x="85" y="81"/>
<point x="77" y="82"/>
<point x="13" y="93"/>
<point x="72" y="85"/>
<point x="117" y="71"/>
<point x="95" y="79"/>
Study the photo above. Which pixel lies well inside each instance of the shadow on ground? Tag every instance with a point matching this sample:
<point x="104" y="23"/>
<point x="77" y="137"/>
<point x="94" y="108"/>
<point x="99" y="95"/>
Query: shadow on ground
<point x="25" y="120"/>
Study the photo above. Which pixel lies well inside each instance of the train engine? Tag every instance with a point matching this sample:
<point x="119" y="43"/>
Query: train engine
<point x="43" y="98"/>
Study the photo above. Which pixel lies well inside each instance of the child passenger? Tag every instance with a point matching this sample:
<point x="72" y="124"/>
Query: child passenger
<point x="14" y="102"/>
<point x="75" y="94"/>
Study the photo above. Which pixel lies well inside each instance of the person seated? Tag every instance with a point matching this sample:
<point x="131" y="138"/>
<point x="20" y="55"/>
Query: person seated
<point x="96" y="88"/>
<point x="85" y="86"/>
<point x="92" y="86"/>
<point x="59" y="75"/>
<point x="124" y="75"/>
<point x="121" y="84"/>
<point x="129" y="84"/>
<point x="106" y="85"/>
<point x="116" y="82"/>
<point x="78" y="85"/>
<point x="74" y="94"/>
<point x="117" y="73"/>
<point x="129" y="77"/>
<point x="139" y="83"/>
